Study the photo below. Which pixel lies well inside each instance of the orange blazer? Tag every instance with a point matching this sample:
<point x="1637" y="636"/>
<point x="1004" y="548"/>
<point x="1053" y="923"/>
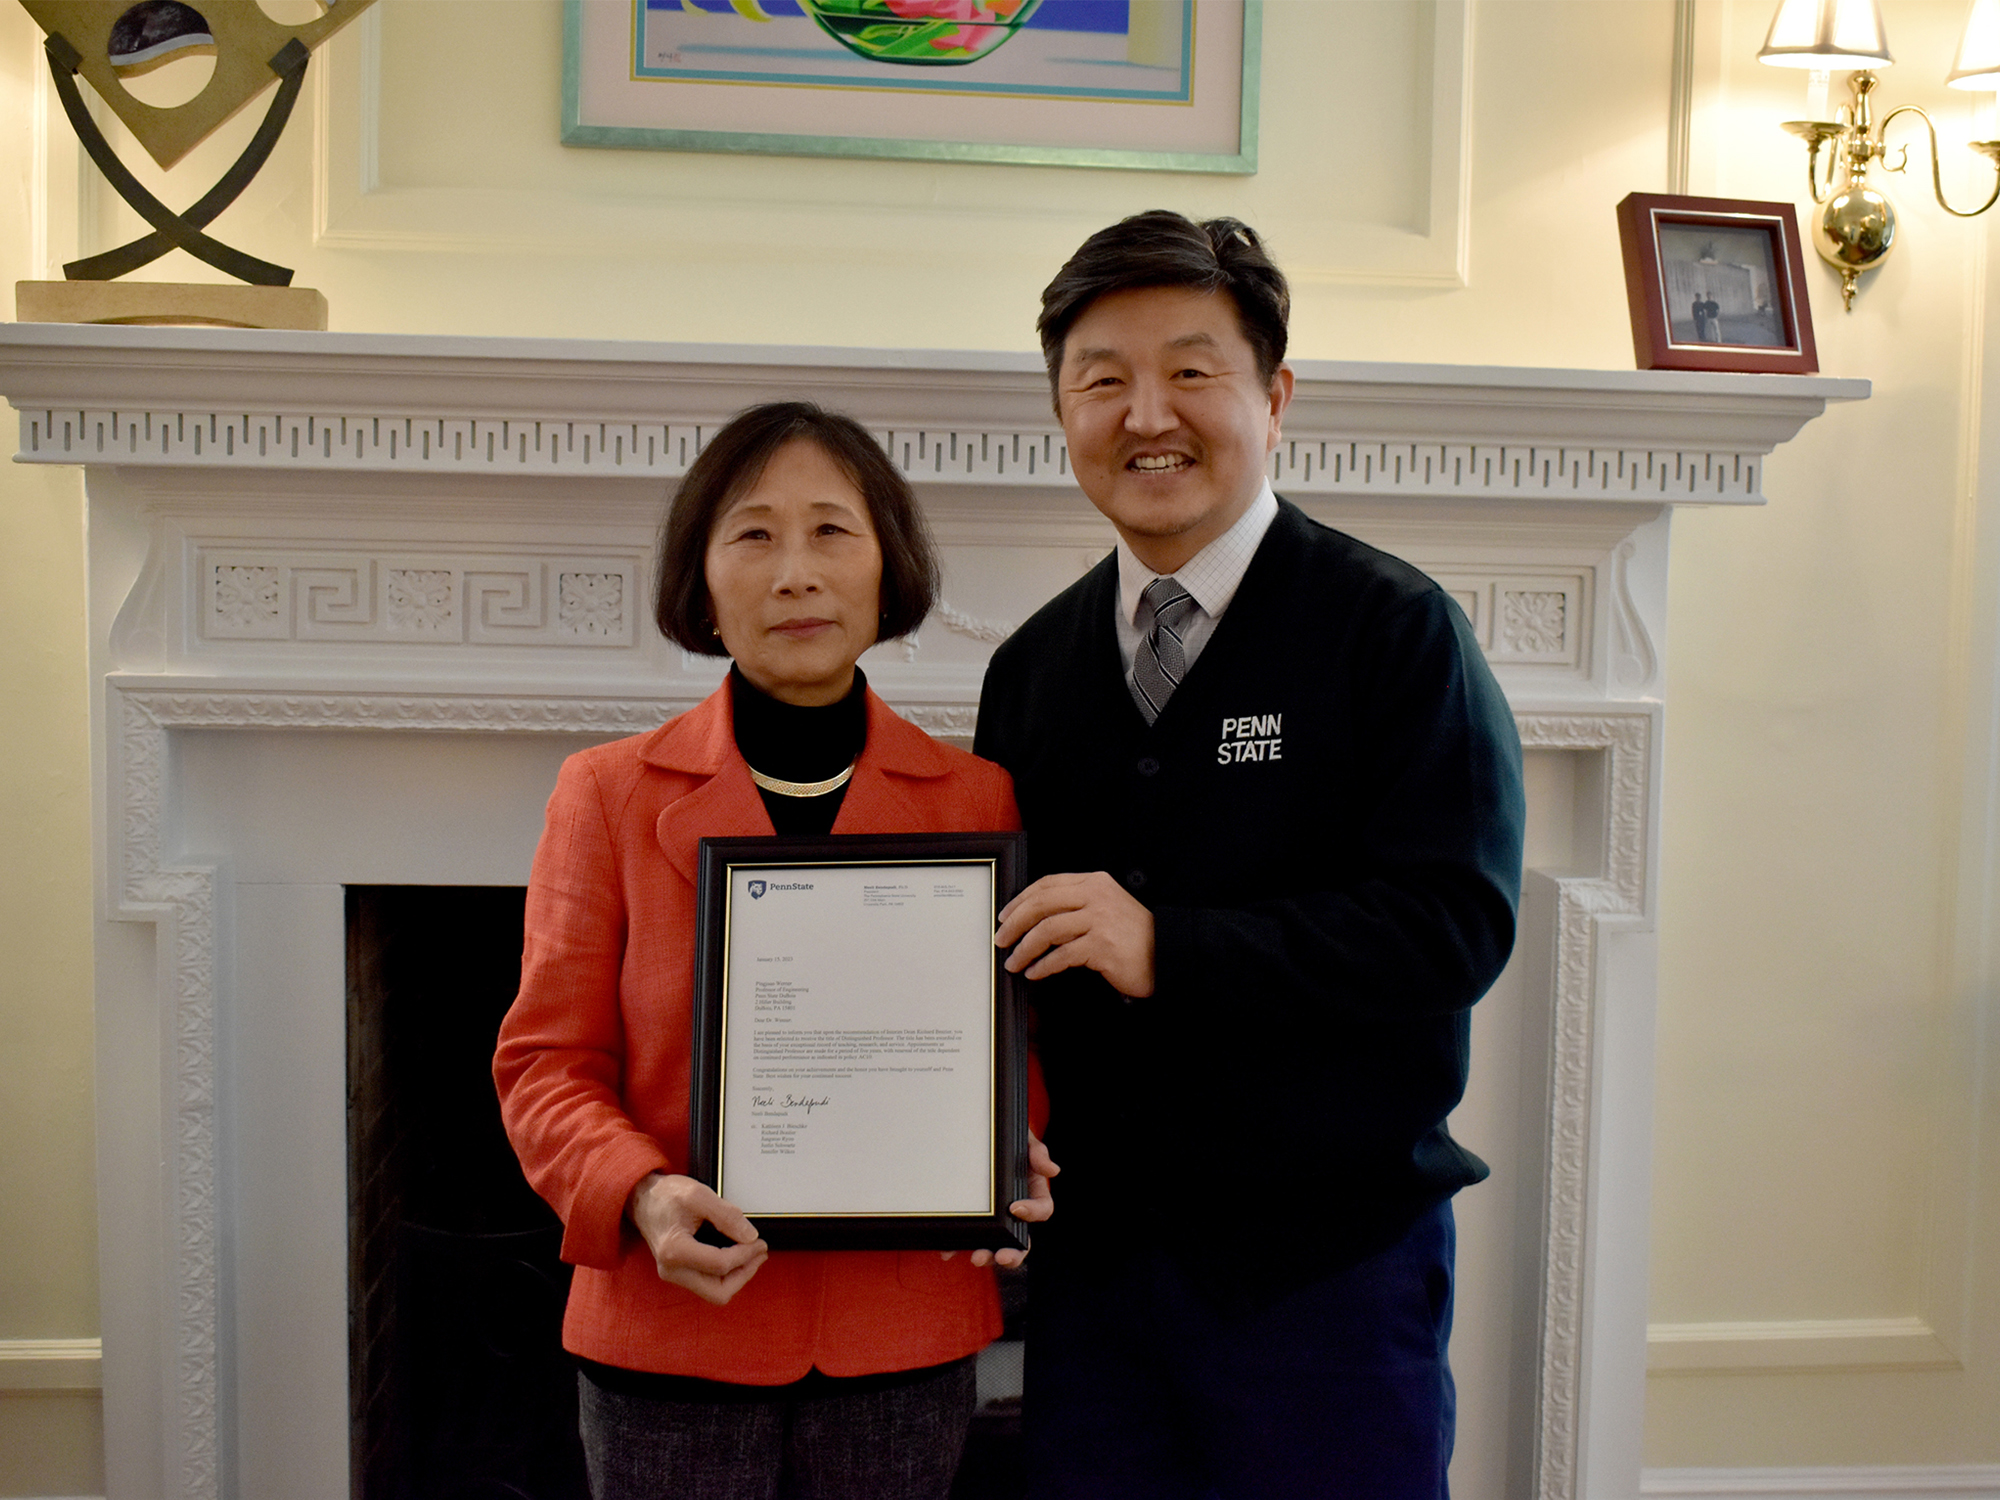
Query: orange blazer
<point x="595" y="1055"/>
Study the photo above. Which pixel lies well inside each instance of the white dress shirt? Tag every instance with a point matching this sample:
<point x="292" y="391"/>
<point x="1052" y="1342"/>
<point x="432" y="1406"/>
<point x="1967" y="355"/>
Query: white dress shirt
<point x="1211" y="577"/>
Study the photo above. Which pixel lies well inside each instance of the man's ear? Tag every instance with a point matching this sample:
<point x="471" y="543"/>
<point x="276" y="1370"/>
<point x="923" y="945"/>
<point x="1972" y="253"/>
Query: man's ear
<point x="1281" y="397"/>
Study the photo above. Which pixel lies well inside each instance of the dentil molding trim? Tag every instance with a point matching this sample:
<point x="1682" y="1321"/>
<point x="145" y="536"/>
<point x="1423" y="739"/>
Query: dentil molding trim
<point x="391" y="403"/>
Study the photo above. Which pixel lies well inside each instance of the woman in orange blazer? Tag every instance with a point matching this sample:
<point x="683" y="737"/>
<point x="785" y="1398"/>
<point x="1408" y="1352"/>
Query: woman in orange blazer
<point x="792" y="546"/>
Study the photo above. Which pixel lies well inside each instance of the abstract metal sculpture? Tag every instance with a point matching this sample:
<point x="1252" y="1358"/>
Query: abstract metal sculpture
<point x="107" y="45"/>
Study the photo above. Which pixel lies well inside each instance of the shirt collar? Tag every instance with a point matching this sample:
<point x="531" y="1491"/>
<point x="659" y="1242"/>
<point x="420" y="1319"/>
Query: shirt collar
<point x="1213" y="574"/>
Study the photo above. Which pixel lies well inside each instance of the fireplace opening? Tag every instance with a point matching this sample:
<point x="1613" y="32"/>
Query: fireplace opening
<point x="458" y="1385"/>
<point x="459" y="1388"/>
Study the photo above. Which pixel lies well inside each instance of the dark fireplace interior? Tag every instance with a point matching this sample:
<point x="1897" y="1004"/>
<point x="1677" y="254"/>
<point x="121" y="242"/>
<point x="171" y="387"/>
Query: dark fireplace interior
<point x="459" y="1389"/>
<point x="458" y="1385"/>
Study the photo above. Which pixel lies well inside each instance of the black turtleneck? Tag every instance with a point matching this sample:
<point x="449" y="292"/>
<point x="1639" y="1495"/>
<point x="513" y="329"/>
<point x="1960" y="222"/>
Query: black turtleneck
<point x="799" y="744"/>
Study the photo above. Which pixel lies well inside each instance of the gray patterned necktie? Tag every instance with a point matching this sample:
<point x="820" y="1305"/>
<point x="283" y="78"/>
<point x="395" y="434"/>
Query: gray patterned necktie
<point x="1160" y="662"/>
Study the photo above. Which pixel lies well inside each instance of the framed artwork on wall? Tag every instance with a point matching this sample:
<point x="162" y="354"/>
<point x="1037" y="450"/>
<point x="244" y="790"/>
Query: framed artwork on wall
<point x="1166" y="85"/>
<point x="1716" y="284"/>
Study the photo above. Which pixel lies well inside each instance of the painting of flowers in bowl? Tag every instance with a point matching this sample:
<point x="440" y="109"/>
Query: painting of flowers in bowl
<point x="921" y="32"/>
<point x="1166" y="85"/>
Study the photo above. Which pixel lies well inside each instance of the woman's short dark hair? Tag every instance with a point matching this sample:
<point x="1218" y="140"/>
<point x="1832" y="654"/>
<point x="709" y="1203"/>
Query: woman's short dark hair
<point x="732" y="461"/>
<point x="1163" y="248"/>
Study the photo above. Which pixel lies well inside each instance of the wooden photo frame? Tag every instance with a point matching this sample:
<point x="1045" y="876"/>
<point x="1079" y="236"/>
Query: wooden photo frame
<point x="1716" y="284"/>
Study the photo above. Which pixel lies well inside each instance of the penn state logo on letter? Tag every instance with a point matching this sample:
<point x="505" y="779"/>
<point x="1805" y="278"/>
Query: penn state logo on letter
<point x="1252" y="737"/>
<point x="757" y="889"/>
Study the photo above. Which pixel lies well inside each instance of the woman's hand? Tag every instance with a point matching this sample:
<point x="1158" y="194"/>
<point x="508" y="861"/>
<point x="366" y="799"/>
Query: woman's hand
<point x="1037" y="1206"/>
<point x="669" y="1210"/>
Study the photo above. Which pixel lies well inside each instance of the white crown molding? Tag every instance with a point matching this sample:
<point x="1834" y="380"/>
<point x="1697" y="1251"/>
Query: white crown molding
<point x="51" y="1365"/>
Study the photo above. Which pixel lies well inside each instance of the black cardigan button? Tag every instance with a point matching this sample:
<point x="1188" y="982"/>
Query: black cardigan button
<point x="1148" y="766"/>
<point x="1136" y="879"/>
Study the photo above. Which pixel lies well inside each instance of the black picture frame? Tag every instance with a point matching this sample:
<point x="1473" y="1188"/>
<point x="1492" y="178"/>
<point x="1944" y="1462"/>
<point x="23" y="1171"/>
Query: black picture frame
<point x="1757" y="260"/>
<point x="721" y="860"/>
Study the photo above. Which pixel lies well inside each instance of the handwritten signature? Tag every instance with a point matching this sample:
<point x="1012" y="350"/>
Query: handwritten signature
<point x="765" y="1101"/>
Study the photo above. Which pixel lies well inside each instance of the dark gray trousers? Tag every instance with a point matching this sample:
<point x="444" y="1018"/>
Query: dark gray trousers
<point x="869" y="1438"/>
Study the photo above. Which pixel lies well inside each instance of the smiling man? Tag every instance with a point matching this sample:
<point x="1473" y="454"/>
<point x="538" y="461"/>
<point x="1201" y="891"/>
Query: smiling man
<point x="1274" y="806"/>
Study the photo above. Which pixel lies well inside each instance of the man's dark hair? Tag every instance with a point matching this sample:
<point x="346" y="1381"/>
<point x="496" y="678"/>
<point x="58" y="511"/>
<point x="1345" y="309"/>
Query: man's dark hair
<point x="732" y="461"/>
<point x="1163" y="248"/>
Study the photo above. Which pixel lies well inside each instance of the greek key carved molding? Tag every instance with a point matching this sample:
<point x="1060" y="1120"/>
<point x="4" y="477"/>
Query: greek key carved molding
<point x="470" y="599"/>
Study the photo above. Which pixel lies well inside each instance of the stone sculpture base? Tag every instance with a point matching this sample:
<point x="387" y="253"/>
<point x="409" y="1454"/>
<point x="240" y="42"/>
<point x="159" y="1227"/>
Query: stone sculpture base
<point x="219" y="304"/>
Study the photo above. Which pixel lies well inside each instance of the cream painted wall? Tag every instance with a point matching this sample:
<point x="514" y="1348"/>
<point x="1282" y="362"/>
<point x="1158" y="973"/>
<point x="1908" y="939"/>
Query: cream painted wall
<point x="1819" y="1119"/>
<point x="49" y="1440"/>
<point x="1825" y="996"/>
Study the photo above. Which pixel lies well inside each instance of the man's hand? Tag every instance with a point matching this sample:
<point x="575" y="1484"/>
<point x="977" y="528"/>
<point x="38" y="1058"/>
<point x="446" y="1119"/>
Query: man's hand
<point x="668" y="1211"/>
<point x="1066" y="921"/>
<point x="1033" y="1209"/>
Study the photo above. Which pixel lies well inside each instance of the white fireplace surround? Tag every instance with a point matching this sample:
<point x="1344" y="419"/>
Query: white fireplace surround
<point x="341" y="583"/>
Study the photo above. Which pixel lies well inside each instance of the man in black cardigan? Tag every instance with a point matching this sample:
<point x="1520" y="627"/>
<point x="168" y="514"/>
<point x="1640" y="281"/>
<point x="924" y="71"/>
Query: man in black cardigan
<point x="1274" y="805"/>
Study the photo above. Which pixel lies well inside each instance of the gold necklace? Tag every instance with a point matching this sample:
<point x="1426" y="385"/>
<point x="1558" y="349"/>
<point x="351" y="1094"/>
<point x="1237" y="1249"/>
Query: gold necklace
<point x="801" y="788"/>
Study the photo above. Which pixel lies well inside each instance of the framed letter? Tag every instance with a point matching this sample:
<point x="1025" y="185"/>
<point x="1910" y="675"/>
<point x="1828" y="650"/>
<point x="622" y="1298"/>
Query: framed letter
<point x="860" y="1077"/>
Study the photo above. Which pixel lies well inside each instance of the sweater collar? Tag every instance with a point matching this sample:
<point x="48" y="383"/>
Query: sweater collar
<point x="703" y="740"/>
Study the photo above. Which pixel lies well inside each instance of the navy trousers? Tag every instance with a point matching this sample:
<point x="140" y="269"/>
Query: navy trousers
<point x="1140" y="1388"/>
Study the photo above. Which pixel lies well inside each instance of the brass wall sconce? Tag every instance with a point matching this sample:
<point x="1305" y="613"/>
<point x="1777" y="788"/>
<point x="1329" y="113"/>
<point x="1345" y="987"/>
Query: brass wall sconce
<point x="1855" y="228"/>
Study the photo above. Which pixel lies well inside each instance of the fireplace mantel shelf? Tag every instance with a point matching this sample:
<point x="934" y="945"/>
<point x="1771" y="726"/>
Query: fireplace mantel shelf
<point x="403" y="403"/>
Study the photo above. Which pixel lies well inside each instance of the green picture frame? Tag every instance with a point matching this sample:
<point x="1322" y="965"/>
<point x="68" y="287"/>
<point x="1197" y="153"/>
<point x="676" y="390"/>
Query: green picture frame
<point x="626" y="89"/>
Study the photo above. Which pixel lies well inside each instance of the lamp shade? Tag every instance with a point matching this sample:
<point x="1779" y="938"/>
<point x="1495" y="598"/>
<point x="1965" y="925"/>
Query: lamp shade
<point x="1977" y="65"/>
<point x="1826" y="34"/>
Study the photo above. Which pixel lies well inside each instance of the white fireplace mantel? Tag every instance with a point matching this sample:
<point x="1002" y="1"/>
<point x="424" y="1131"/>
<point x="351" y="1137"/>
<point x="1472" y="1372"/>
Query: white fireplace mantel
<point x="411" y="404"/>
<point x="352" y="594"/>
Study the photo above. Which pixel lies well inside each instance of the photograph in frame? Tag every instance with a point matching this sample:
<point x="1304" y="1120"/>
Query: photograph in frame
<point x="860" y="1075"/>
<point x="1716" y="284"/>
<point x="1152" y="84"/>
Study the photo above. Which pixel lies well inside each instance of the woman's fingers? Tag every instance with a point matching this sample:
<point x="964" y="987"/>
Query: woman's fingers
<point x="715" y="1289"/>
<point x="1040" y="1204"/>
<point x="1039" y="1161"/>
<point x="730" y="1219"/>
<point x="689" y="1253"/>
<point x="669" y="1211"/>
